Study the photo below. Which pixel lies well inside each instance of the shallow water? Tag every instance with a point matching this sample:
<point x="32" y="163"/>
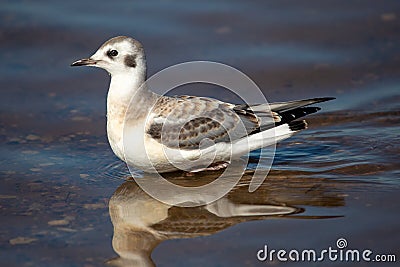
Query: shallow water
<point x="339" y="178"/>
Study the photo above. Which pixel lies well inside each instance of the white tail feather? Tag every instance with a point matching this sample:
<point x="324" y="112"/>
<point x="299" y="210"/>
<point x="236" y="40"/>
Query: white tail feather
<point x="261" y="139"/>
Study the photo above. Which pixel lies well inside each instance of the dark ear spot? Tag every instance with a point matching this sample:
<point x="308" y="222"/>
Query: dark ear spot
<point x="130" y="61"/>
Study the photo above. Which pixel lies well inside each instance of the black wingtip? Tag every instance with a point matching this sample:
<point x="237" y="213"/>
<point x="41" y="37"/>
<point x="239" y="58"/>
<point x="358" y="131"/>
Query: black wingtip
<point x="297" y="125"/>
<point x="322" y="99"/>
<point x="291" y="115"/>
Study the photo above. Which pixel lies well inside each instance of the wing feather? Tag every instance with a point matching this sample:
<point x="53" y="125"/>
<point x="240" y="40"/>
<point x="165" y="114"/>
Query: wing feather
<point x="186" y="122"/>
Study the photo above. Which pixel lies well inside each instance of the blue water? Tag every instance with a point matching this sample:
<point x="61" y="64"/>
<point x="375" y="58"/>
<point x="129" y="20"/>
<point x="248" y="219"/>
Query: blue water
<point x="341" y="175"/>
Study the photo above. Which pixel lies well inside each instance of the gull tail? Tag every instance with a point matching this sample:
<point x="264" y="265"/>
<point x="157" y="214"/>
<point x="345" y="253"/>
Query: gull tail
<point x="275" y="114"/>
<point x="285" y="123"/>
<point x="267" y="137"/>
<point x="295" y="126"/>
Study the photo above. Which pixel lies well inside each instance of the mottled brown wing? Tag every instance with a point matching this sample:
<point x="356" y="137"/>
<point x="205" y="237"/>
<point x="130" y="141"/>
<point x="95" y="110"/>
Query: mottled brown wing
<point x="186" y="122"/>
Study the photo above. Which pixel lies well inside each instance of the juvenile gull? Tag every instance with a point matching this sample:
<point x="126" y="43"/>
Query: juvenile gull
<point x="161" y="133"/>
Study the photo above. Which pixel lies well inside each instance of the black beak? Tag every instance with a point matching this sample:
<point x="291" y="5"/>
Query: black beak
<point x="84" y="62"/>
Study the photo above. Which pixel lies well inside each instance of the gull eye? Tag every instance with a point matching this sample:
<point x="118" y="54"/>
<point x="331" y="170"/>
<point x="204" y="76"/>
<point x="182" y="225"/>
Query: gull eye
<point x="112" y="53"/>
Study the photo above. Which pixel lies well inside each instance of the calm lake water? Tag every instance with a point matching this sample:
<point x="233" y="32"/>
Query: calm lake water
<point x="64" y="198"/>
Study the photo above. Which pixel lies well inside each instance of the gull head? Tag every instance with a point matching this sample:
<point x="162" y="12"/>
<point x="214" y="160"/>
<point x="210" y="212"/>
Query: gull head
<point x="119" y="55"/>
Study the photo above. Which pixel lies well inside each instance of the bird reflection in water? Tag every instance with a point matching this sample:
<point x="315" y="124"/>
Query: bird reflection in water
<point x="142" y="222"/>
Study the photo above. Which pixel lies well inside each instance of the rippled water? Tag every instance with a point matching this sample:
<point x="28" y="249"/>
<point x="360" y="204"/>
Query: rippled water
<point x="339" y="178"/>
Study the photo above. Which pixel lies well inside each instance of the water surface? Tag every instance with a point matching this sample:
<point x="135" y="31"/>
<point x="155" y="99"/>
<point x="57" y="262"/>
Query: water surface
<point x="340" y="178"/>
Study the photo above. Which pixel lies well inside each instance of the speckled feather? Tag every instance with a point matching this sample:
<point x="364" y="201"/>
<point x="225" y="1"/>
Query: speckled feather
<point x="186" y="121"/>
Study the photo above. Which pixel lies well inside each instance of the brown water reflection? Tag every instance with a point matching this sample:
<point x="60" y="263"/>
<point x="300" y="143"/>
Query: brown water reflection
<point x="141" y="222"/>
